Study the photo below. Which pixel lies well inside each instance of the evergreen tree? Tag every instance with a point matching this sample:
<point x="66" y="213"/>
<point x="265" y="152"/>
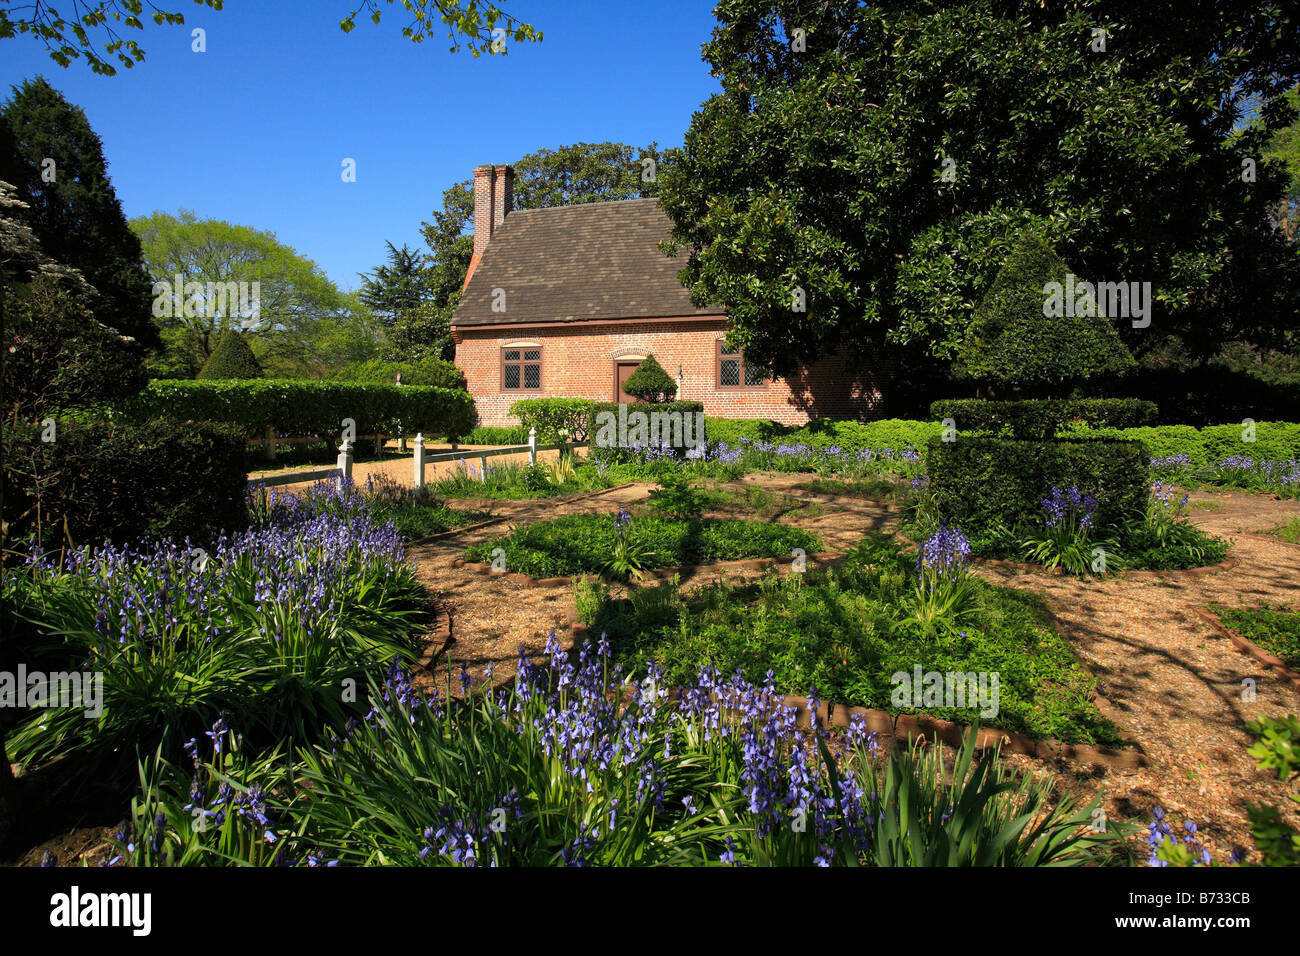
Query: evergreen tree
<point x="1019" y="341"/>
<point x="650" y="383"/>
<point x="232" y="358"/>
<point x="55" y="161"/>
<point x="399" y="285"/>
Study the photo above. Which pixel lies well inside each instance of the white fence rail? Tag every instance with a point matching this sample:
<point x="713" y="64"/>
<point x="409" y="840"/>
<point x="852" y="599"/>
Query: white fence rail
<point x="343" y="469"/>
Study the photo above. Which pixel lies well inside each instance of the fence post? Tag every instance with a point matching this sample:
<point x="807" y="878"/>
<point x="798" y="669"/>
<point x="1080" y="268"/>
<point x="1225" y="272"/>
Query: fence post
<point x="483" y="461"/>
<point x="345" y="462"/>
<point x="419" y="460"/>
<point x="270" y="443"/>
<point x="532" y="446"/>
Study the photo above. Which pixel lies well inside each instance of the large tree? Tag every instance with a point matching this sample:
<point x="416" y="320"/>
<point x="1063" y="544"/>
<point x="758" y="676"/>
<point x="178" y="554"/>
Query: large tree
<point x="292" y="306"/>
<point x="81" y="28"/>
<point x="866" y="168"/>
<point x="55" y="161"/>
<point x="397" y="285"/>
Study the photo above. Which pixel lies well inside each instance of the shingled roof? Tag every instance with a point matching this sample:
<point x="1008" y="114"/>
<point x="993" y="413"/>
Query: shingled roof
<point x="576" y="263"/>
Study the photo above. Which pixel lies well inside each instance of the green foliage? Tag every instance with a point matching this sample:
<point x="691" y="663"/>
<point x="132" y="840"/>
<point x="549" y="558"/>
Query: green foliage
<point x="977" y="814"/>
<point x="270" y="660"/>
<point x="847" y="630"/>
<point x="650" y="383"/>
<point x="232" y="358"/>
<point x="77" y="218"/>
<point x="1013" y="344"/>
<point x="1274" y="628"/>
<point x="1040" y="418"/>
<point x="96" y="482"/>
<point x="982" y="482"/>
<point x="428" y="371"/>
<point x="396" y="286"/>
<point x="602" y="431"/>
<point x="298" y="322"/>
<point x="677" y="499"/>
<point x="1277" y="750"/>
<point x="309" y="408"/>
<point x="420" y="333"/>
<point x="486" y="435"/>
<point x="554" y="416"/>
<point x="468" y="22"/>
<point x="941" y="132"/>
<point x="57" y="356"/>
<point x="585" y="543"/>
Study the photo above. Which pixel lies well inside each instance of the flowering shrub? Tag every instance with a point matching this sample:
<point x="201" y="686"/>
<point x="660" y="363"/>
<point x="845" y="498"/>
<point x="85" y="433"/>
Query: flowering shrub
<point x="1067" y="542"/>
<point x="844" y="630"/>
<point x="943" y="595"/>
<point x="574" y="765"/>
<point x="267" y="626"/>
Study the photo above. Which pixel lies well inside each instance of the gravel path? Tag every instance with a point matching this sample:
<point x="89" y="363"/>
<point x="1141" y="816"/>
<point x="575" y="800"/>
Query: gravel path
<point x="1171" y="684"/>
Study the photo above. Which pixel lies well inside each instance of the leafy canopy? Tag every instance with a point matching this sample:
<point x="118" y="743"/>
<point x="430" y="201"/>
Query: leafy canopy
<point x="883" y="161"/>
<point x="302" y="323"/>
<point x="55" y="161"/>
<point x="92" y="25"/>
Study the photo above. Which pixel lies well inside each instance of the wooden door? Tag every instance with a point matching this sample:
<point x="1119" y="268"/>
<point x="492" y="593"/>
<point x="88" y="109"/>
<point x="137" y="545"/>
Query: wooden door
<point x="622" y="372"/>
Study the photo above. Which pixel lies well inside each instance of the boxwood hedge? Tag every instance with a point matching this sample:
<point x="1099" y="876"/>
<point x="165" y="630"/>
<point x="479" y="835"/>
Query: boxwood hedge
<point x="296" y="408"/>
<point x="983" y="481"/>
<point x="1041" y="418"/>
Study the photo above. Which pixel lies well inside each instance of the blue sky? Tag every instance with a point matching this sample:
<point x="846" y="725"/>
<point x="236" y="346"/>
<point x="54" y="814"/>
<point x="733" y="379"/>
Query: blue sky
<point x="255" y="129"/>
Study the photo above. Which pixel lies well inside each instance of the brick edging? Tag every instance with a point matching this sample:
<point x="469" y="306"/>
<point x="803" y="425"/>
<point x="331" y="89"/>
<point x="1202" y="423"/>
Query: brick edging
<point x="822" y="558"/>
<point x="1250" y="648"/>
<point x="1227" y="564"/>
<point x="1261" y="537"/>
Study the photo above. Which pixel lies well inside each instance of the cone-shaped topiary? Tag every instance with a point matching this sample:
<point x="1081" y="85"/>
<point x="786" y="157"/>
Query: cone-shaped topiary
<point x="649" y="382"/>
<point x="1024" y="336"/>
<point x="232" y="358"/>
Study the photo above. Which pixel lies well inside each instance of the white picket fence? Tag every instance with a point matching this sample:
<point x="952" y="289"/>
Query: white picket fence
<point x="419" y="460"/>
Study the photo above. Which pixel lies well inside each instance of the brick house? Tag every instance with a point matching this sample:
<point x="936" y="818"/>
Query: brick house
<point x="563" y="302"/>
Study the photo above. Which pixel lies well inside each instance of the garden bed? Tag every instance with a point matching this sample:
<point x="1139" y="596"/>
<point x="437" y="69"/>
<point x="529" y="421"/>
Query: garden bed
<point x="846" y="632"/>
<point x="587" y="543"/>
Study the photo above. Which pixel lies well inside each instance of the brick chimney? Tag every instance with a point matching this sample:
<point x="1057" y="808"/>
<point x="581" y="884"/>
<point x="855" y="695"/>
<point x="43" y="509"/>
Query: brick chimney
<point x="494" y="197"/>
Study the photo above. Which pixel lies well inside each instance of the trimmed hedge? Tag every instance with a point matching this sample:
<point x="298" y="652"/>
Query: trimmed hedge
<point x="1040" y="418"/>
<point x="156" y="478"/>
<point x="295" y="407"/>
<point x="1274" y="441"/>
<point x="649" y="408"/>
<point x="549" y="415"/>
<point x="232" y="358"/>
<point x="427" y="371"/>
<point x="649" y="382"/>
<point x="982" y="481"/>
<point x="486" y="435"/>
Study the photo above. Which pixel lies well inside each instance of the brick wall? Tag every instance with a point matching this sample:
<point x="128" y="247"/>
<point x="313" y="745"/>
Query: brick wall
<point x="578" y="362"/>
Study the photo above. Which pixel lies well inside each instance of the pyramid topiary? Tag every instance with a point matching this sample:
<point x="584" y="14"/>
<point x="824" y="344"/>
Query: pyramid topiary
<point x="650" y="383"/>
<point x="1026" y="339"/>
<point x="232" y="358"/>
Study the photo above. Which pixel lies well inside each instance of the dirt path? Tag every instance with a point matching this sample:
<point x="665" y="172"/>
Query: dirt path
<point x="1170" y="683"/>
